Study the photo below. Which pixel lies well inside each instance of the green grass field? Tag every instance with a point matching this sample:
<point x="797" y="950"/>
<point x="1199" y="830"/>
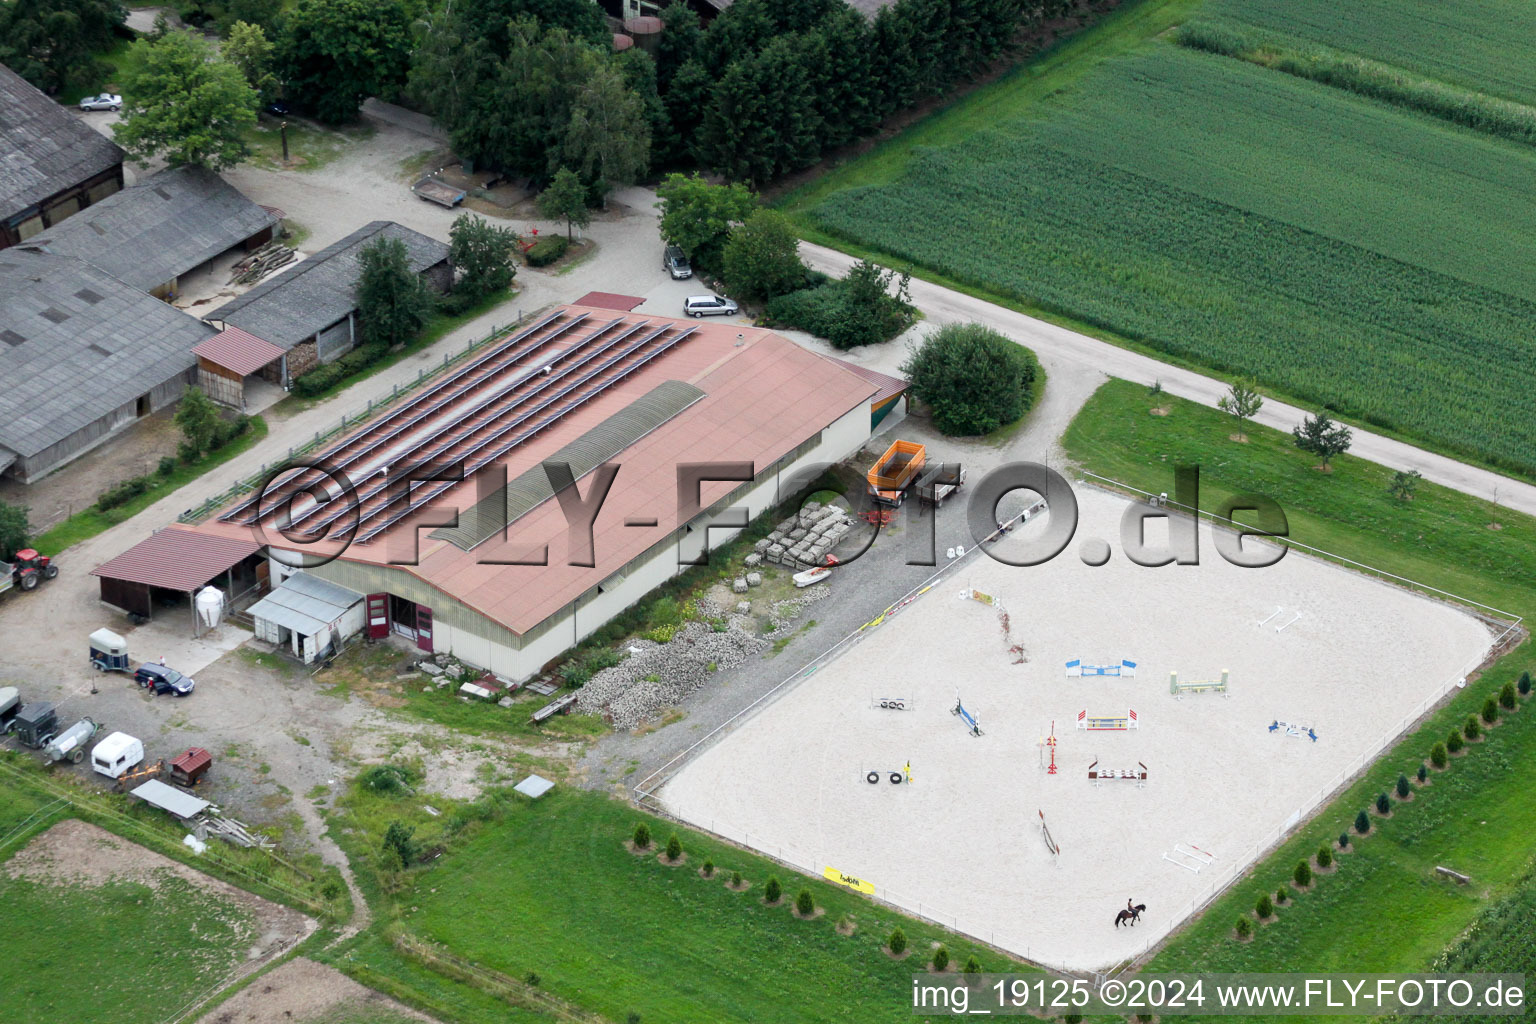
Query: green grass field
<point x="1384" y="908"/>
<point x="551" y="889"/>
<point x="1242" y="219"/>
<point x="1486" y="45"/>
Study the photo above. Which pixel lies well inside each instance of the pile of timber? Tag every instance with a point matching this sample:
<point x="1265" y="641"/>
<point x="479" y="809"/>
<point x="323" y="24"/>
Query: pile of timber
<point x="261" y="263"/>
<point x="231" y="831"/>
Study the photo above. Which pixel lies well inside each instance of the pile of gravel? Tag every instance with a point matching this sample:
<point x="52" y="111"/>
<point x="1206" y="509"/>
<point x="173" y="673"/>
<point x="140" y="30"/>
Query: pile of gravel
<point x="626" y="698"/>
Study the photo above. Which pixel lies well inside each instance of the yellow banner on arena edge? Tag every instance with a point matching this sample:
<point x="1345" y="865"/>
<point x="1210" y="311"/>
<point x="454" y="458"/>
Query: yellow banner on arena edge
<point x="856" y="884"/>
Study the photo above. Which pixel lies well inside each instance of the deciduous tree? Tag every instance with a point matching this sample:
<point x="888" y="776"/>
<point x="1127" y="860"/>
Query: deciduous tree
<point x="1241" y="402"/>
<point x="1319" y="435"/>
<point x="697" y="216"/>
<point x="608" y="138"/>
<point x="15" y="530"/>
<point x="248" y="48"/>
<point x="565" y="199"/>
<point x="392" y="301"/>
<point x="334" y="54"/>
<point x="199" y="420"/>
<point x="972" y="378"/>
<point x="482" y="252"/>
<point x="762" y="257"/>
<point x="183" y="101"/>
<point x="53" y="43"/>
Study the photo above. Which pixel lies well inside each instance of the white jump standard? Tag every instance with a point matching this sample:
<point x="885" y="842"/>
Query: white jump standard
<point x="1121" y="669"/>
<point x="1179" y="689"/>
<point x="1107" y="723"/>
<point x="969" y="719"/>
<point x="1098" y="776"/>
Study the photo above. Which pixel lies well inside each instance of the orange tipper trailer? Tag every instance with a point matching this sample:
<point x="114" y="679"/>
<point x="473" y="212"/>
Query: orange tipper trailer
<point x="895" y="471"/>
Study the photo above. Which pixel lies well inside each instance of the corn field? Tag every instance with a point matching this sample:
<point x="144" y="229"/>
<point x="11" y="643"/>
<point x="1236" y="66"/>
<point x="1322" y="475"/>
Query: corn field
<point x="1350" y="254"/>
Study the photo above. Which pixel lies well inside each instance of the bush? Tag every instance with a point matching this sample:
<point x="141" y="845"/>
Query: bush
<point x="546" y="250"/>
<point x="631" y="1017"/>
<point x="1506" y="695"/>
<point x="389" y="779"/>
<point x="971" y="966"/>
<point x="762" y="257"/>
<point x="1362" y="823"/>
<point x="1454" y="743"/>
<point x="1490" y="711"/>
<point x="708" y="869"/>
<point x="1383" y="804"/>
<point x="1343" y="840"/>
<point x="167" y="466"/>
<point x="1403" y="789"/>
<point x="1265" y="908"/>
<point x="1472" y="728"/>
<point x="1302" y="874"/>
<point x="1524" y="686"/>
<point x="858" y="310"/>
<point x="805" y="904"/>
<point x="319" y="380"/>
<point x="772" y="889"/>
<point x="122" y="493"/>
<point x="736" y="879"/>
<point x="1244" y="927"/>
<point x="972" y="378"/>
<point x="674" y="847"/>
<point x="897" y="943"/>
<point x="1438" y="756"/>
<point x="1282" y="897"/>
<point x="661" y="634"/>
<point x="1423" y="774"/>
<point x="642" y="836"/>
<point x="1324" y="856"/>
<point x="941" y="959"/>
<point x="397" y="839"/>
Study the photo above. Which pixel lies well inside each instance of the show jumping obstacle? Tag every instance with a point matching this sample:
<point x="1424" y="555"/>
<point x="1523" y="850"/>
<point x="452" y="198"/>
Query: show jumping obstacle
<point x="1179" y="689"/>
<point x="1098" y="776"/>
<point x="1292" y="729"/>
<point x="897" y="775"/>
<point x="1106" y="723"/>
<point x="1190" y="858"/>
<point x="1122" y="668"/>
<point x="965" y="716"/>
<point x="1050" y="844"/>
<point x="892" y="703"/>
<point x="1049" y="741"/>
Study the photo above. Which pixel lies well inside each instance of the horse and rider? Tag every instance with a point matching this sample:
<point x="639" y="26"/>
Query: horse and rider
<point x="1131" y="913"/>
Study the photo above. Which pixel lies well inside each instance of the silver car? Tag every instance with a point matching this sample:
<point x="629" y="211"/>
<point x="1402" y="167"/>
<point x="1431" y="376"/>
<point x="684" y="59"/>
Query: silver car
<point x="709" y="305"/>
<point x="106" y="101"/>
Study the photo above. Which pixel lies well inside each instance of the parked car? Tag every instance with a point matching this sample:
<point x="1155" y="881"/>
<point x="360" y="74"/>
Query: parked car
<point x="105" y="101"/>
<point x="709" y="305"/>
<point x="674" y="262"/>
<point x="158" y="679"/>
<point x="279" y="108"/>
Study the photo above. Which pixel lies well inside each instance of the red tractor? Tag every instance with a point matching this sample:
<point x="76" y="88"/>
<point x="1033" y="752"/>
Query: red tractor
<point x="29" y="569"/>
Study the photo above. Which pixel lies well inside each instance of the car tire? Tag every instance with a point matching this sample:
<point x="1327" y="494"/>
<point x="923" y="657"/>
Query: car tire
<point x="696" y="315"/>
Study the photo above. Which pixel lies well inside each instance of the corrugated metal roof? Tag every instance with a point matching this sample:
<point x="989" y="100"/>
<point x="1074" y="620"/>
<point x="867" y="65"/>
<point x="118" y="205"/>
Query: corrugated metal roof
<point x="161" y="228"/>
<point x="305" y="604"/>
<point x="531" y="488"/>
<point x="75" y="344"/>
<point x="177" y="559"/>
<point x="238" y="351"/>
<point x="609" y="300"/>
<point x="169" y="798"/>
<point x="44" y="148"/>
<point x="889" y="386"/>
<point x="315" y="293"/>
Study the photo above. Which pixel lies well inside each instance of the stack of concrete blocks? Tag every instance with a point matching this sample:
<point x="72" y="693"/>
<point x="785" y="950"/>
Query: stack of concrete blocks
<point x="805" y="540"/>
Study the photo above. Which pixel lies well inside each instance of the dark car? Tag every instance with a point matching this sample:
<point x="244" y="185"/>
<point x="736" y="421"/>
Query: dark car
<point x="279" y="108"/>
<point x="158" y="679"/>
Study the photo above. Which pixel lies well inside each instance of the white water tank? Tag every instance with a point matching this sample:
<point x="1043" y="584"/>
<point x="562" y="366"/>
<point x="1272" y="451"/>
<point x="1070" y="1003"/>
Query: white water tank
<point x="210" y="606"/>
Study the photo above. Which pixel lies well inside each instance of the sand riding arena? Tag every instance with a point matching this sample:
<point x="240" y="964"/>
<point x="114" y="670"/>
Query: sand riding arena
<point x="1324" y="667"/>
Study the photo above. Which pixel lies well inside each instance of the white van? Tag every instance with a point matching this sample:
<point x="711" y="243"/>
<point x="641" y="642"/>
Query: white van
<point x="116" y="755"/>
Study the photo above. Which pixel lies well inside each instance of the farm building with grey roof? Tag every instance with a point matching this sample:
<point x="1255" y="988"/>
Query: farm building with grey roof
<point x="81" y="355"/>
<point x="51" y="164"/>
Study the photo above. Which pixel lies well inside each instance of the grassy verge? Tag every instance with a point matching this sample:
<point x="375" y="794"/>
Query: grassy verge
<point x="439" y="326"/>
<point x="87" y="524"/>
<point x="310" y="146"/>
<point x="1383" y="908"/>
<point x="615" y="932"/>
